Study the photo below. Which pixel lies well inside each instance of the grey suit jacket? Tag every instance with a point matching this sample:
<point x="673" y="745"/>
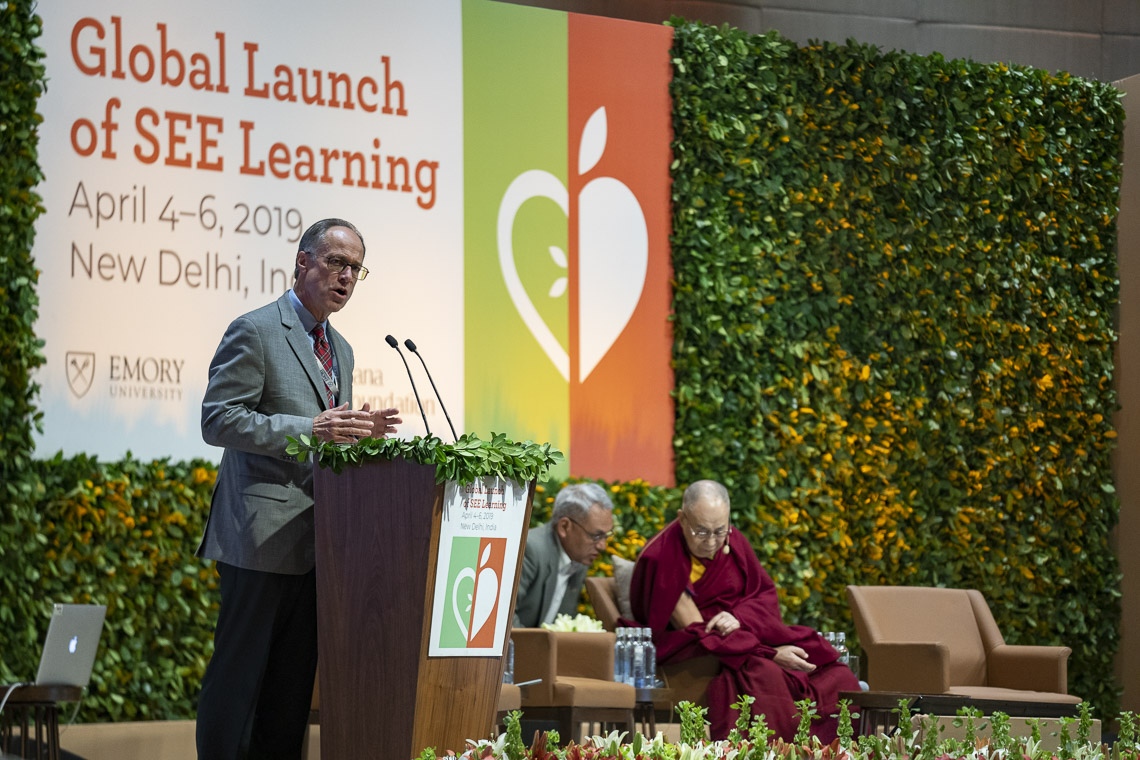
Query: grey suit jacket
<point x="539" y="574"/>
<point x="264" y="385"/>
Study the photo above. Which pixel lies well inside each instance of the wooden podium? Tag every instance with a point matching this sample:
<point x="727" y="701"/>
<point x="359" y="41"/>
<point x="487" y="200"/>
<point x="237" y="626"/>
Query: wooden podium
<point x="382" y="696"/>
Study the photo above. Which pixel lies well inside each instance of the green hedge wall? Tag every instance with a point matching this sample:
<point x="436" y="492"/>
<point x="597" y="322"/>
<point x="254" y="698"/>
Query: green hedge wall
<point x="895" y="284"/>
<point x="894" y="281"/>
<point x="21" y="82"/>
<point x="121" y="534"/>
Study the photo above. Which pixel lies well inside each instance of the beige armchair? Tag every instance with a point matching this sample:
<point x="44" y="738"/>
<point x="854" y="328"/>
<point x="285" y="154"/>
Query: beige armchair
<point x="510" y="698"/>
<point x="576" y="671"/>
<point x="921" y="640"/>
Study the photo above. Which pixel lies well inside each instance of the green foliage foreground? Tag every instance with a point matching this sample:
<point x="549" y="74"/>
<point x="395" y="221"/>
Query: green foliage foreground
<point x="982" y="738"/>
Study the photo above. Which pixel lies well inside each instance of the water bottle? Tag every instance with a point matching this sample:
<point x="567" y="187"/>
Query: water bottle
<point x="621" y="650"/>
<point x="638" y="660"/>
<point x="509" y="671"/>
<point x="841" y="647"/>
<point x="650" y="658"/>
<point x="627" y="665"/>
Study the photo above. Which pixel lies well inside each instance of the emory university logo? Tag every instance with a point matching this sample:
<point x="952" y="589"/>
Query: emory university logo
<point x="80" y="371"/>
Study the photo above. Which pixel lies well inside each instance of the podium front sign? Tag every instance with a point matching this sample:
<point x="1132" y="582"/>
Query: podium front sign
<point x="479" y="537"/>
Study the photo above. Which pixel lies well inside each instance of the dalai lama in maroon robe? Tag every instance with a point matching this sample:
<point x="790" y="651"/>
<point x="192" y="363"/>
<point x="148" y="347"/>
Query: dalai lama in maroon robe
<point x="700" y="587"/>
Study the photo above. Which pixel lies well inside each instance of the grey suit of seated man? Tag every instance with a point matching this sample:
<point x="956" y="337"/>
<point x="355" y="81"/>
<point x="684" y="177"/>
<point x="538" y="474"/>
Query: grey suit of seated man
<point x="558" y="554"/>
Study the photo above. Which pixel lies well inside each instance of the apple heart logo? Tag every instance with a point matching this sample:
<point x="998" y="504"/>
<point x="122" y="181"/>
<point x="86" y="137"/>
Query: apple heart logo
<point x="466" y="573"/>
<point x="486" y="593"/>
<point x="613" y="254"/>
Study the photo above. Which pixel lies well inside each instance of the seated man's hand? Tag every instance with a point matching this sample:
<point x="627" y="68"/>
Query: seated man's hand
<point x="790" y="657"/>
<point x="723" y="623"/>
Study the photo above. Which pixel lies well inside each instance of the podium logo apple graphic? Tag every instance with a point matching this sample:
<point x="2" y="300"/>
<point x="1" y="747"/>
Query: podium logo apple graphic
<point x="475" y="574"/>
<point x="613" y="254"/>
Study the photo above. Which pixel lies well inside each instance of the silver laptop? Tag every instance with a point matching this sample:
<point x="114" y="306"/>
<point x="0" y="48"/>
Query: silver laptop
<point x="70" y="646"/>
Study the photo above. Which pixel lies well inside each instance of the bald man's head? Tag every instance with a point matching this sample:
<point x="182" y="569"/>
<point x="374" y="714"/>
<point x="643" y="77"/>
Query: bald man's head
<point x="704" y="516"/>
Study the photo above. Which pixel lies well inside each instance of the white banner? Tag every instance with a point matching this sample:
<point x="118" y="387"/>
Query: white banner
<point x="186" y="147"/>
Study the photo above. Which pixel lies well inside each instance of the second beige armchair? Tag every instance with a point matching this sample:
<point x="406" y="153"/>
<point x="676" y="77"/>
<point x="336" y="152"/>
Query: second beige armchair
<point x="925" y="640"/>
<point x="576" y="680"/>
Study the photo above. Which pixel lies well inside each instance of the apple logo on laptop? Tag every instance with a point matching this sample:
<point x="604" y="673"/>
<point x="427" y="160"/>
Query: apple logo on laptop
<point x="73" y="644"/>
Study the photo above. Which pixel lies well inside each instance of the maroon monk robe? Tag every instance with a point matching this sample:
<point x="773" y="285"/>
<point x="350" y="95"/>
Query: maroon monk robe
<point x="736" y="582"/>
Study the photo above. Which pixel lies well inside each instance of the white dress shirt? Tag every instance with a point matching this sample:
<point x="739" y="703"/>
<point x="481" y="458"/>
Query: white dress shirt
<point x="565" y="570"/>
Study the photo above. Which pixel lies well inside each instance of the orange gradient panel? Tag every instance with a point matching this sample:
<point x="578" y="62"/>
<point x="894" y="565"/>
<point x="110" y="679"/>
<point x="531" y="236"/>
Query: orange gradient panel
<point x="621" y="413"/>
<point x="488" y="581"/>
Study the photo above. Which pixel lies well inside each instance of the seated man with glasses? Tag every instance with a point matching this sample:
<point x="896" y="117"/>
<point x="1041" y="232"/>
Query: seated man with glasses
<point x="558" y="554"/>
<point x="699" y="586"/>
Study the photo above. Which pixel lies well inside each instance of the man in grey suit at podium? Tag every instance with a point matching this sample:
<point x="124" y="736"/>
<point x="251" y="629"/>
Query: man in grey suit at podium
<point x="558" y="554"/>
<point x="279" y="371"/>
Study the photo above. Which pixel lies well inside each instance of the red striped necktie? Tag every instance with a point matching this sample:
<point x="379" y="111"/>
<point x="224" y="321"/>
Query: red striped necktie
<point x="324" y="357"/>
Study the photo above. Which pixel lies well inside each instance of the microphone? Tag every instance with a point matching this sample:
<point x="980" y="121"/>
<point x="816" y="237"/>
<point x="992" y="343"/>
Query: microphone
<point x="396" y="345"/>
<point x="412" y="347"/>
